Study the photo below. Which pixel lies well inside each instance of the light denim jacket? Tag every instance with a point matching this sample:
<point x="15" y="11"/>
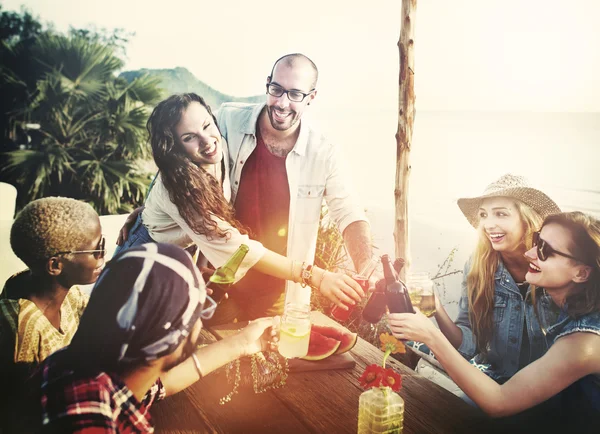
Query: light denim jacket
<point x="509" y="308"/>
<point x="315" y="171"/>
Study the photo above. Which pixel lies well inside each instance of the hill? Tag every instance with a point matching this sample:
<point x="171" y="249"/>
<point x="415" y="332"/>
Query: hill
<point x="181" y="80"/>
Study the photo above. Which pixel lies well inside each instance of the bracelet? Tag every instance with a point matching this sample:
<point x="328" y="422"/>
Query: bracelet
<point x="306" y="275"/>
<point x="293" y="273"/>
<point x="321" y="281"/>
<point x="197" y="365"/>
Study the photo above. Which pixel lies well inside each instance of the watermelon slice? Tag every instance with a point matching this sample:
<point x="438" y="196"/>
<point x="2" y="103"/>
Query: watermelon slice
<point x="346" y="338"/>
<point x="320" y="347"/>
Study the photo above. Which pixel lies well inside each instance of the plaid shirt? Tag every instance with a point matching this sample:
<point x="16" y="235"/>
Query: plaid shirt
<point x="99" y="404"/>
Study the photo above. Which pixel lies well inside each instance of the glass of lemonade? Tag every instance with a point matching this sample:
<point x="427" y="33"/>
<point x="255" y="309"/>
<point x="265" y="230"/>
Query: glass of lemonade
<point x="294" y="332"/>
<point x="420" y="290"/>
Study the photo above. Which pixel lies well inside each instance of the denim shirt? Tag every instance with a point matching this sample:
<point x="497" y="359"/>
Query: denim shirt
<point x="511" y="314"/>
<point x="585" y="392"/>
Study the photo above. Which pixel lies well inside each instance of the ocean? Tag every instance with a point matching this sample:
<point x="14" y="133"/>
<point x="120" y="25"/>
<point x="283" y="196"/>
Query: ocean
<point x="454" y="154"/>
<point x="457" y="154"/>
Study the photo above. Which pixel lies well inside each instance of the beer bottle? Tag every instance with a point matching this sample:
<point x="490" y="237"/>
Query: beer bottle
<point x="398" y="266"/>
<point x="376" y="305"/>
<point x="224" y="276"/>
<point x="396" y="294"/>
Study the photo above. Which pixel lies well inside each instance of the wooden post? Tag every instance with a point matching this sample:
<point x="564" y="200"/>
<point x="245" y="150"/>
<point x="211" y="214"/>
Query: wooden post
<point x="406" y="115"/>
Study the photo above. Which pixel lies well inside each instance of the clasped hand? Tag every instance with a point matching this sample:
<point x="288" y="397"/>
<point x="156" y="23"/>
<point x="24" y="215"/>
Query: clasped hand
<point x="341" y="289"/>
<point x="412" y="327"/>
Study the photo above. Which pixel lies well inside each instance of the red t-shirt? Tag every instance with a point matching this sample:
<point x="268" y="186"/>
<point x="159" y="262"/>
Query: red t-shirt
<point x="263" y="205"/>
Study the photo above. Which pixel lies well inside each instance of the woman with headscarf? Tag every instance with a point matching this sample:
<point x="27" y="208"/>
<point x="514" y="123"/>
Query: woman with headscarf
<point x="136" y="343"/>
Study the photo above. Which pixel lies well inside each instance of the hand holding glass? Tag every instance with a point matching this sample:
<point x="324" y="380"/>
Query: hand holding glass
<point x="420" y="290"/>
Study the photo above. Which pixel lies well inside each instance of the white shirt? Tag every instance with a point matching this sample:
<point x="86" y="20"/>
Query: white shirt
<point x="315" y="172"/>
<point x="166" y="225"/>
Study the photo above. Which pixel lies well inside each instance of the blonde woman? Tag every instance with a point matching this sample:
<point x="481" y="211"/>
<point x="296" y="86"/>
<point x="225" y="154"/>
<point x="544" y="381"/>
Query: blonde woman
<point x="565" y="262"/>
<point x="496" y="324"/>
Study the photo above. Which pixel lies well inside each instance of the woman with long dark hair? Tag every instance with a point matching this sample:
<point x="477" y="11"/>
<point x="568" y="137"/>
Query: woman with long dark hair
<point x="189" y="202"/>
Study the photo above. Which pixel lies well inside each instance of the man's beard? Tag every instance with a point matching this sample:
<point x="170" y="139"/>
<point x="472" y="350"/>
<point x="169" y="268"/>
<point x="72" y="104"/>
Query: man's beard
<point x="292" y="120"/>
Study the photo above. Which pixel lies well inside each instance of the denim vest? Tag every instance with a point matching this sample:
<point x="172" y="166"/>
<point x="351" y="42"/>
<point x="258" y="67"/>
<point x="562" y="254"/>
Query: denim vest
<point x="511" y="314"/>
<point x="585" y="392"/>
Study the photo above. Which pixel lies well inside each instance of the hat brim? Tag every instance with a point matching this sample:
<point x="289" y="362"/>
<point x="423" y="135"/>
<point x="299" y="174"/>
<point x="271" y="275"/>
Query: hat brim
<point x="534" y="198"/>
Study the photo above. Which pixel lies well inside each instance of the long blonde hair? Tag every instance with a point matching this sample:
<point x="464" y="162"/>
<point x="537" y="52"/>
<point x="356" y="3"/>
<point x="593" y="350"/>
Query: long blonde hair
<point x="480" y="279"/>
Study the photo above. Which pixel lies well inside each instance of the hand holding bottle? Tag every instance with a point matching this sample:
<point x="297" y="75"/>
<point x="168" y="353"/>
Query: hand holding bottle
<point x="224" y="276"/>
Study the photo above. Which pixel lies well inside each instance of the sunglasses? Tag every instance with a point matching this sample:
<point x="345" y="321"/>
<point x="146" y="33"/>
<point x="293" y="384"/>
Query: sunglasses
<point x="99" y="253"/>
<point x="544" y="250"/>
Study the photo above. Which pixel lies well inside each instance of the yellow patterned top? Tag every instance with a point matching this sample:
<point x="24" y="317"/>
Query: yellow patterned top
<point x="28" y="334"/>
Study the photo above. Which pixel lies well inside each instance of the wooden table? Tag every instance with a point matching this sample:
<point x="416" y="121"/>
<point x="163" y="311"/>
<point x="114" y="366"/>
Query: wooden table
<point x="314" y="402"/>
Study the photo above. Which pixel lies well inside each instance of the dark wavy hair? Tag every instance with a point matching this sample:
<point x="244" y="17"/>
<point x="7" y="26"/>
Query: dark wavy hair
<point x="197" y="194"/>
<point x="585" y="244"/>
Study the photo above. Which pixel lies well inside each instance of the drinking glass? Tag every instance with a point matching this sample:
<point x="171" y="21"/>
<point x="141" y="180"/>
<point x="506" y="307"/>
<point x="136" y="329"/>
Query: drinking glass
<point x="362" y="278"/>
<point x="420" y="290"/>
<point x="294" y="333"/>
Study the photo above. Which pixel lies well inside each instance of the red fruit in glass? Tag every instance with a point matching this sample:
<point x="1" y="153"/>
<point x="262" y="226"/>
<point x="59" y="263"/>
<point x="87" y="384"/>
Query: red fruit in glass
<point x="363" y="281"/>
<point x="342" y="315"/>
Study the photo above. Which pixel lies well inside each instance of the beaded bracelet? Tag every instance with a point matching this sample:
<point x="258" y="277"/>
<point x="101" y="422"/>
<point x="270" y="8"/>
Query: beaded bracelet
<point x="321" y="281"/>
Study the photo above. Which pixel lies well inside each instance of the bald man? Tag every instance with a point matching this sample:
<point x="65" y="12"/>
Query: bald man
<point x="281" y="170"/>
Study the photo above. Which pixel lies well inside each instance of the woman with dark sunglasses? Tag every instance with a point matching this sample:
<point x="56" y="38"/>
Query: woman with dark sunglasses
<point x="60" y="240"/>
<point x="496" y="325"/>
<point x="565" y="262"/>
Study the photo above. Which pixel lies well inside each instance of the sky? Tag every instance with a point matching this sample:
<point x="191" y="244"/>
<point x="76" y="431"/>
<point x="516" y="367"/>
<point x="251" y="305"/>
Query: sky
<point x="473" y="55"/>
<point x="470" y="56"/>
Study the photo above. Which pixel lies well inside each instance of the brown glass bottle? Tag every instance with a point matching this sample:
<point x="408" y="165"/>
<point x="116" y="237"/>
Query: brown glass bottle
<point x="375" y="308"/>
<point x="396" y="294"/>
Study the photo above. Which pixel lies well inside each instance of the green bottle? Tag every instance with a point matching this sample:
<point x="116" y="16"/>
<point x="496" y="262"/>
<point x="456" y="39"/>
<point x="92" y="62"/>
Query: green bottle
<point x="224" y="276"/>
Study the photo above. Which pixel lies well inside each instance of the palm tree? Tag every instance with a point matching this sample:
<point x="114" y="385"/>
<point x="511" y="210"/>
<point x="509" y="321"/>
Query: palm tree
<point x="91" y="133"/>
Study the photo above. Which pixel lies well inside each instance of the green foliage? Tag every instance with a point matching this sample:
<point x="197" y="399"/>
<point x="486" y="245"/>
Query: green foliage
<point x="445" y="270"/>
<point x="16" y="27"/>
<point x="331" y="255"/>
<point x="73" y="128"/>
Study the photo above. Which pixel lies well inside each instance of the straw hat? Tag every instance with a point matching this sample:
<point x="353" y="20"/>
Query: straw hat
<point x="512" y="186"/>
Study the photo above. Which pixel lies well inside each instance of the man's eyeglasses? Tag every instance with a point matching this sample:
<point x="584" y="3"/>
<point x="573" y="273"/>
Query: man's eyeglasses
<point x="544" y="250"/>
<point x="98" y="253"/>
<point x="293" y="95"/>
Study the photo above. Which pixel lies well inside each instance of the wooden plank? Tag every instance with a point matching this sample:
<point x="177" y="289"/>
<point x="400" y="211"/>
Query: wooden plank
<point x="197" y="409"/>
<point x="316" y="402"/>
<point x="328" y="401"/>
